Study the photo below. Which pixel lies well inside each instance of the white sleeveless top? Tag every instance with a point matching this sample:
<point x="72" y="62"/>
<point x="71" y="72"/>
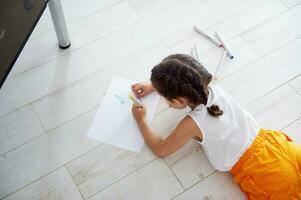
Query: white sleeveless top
<point x="227" y="137"/>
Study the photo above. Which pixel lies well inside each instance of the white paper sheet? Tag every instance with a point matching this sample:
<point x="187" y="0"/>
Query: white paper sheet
<point x="114" y="123"/>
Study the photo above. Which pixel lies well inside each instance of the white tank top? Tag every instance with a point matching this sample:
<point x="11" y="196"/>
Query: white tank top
<point x="227" y="137"/>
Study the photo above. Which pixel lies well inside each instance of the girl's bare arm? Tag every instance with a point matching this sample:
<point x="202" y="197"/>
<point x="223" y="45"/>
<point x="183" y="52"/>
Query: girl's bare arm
<point x="184" y="131"/>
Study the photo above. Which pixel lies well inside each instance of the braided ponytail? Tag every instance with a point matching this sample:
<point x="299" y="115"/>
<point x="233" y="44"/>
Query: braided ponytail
<point x="181" y="75"/>
<point x="214" y="110"/>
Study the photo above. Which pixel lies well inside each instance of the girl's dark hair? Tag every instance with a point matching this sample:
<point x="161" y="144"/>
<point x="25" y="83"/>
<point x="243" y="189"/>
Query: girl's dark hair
<point x="180" y="75"/>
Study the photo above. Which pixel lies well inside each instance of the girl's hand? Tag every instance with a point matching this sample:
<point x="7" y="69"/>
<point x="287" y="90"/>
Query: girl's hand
<point x="142" y="89"/>
<point x="139" y="112"/>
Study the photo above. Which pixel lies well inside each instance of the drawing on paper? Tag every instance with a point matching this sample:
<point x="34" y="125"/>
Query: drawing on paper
<point x="120" y="99"/>
<point x="114" y="117"/>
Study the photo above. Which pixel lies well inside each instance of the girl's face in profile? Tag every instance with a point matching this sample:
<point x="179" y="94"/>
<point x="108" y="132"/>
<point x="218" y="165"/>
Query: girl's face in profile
<point x="177" y="103"/>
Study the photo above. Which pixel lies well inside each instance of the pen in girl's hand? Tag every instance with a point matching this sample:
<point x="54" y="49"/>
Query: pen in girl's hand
<point x="136" y="101"/>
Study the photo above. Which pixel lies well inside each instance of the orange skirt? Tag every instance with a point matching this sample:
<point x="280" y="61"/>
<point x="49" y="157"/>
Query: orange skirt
<point x="270" y="168"/>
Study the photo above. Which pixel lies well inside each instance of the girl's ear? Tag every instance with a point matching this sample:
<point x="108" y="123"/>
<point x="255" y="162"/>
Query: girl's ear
<point x="180" y="101"/>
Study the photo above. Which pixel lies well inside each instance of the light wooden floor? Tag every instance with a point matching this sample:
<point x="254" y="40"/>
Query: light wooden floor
<point x="50" y="98"/>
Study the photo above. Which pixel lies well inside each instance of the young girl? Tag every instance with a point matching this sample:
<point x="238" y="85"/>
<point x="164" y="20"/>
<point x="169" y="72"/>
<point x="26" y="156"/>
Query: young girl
<point x="265" y="163"/>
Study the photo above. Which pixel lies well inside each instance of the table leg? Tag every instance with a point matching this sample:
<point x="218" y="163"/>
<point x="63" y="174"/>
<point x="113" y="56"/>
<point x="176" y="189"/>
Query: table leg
<point x="59" y="23"/>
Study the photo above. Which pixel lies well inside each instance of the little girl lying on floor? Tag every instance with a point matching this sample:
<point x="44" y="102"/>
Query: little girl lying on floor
<point x="265" y="163"/>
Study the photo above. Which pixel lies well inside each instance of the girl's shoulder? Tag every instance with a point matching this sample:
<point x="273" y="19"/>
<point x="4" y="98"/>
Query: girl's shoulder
<point x="221" y="96"/>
